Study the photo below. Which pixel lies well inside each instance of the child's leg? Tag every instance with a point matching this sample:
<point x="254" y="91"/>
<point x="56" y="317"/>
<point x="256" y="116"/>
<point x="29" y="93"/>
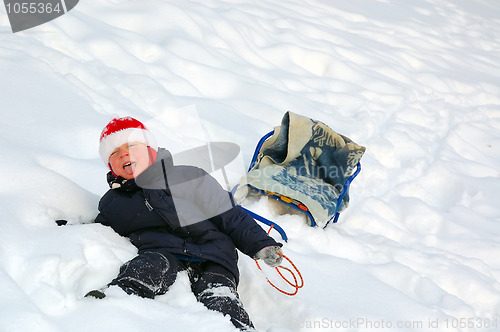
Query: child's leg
<point x="148" y="274"/>
<point x="216" y="289"/>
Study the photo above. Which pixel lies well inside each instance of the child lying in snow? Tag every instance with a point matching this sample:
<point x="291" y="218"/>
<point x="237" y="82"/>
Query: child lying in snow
<point x="179" y="218"/>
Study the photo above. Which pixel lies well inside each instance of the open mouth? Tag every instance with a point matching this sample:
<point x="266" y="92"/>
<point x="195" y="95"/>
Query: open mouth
<point x="129" y="167"/>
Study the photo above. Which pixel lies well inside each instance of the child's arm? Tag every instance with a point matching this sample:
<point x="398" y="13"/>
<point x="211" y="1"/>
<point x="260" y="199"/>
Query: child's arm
<point x="246" y="234"/>
<point x="217" y="205"/>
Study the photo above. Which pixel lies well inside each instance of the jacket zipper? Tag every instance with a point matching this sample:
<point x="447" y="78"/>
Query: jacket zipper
<point x="150" y="208"/>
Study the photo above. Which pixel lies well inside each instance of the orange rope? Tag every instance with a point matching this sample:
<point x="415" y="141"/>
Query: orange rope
<point x="295" y="284"/>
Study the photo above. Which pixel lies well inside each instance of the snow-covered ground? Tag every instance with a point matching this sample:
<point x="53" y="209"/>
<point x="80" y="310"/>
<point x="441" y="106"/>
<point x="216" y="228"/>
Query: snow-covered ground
<point x="416" y="82"/>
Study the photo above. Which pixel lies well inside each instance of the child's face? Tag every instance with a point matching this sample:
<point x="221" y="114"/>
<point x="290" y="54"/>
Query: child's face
<point x="129" y="160"/>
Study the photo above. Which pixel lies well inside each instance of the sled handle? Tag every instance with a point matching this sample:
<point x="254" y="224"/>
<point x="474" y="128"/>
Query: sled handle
<point x="257" y="149"/>
<point x="267" y="222"/>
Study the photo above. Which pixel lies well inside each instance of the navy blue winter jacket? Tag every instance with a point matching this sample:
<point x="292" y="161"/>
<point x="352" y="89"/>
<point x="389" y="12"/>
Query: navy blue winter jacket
<point x="183" y="210"/>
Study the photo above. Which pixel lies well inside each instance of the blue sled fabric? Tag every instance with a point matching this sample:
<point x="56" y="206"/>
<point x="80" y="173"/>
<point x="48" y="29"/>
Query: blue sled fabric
<point x="307" y="161"/>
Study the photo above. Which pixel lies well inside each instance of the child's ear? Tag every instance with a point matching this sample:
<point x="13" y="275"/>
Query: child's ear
<point x="152" y="155"/>
<point x="111" y="169"/>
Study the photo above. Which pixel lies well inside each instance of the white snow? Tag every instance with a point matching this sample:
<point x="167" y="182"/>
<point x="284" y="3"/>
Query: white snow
<point x="416" y="82"/>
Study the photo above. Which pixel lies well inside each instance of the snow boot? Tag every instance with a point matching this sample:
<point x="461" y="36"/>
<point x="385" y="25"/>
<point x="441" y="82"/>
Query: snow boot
<point x="218" y="292"/>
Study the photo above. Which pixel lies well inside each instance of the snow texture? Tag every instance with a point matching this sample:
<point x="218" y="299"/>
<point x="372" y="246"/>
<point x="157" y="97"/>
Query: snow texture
<point x="416" y="82"/>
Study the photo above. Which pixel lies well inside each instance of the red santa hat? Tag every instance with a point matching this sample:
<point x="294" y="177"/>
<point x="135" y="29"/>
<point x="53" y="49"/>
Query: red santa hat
<point x="124" y="130"/>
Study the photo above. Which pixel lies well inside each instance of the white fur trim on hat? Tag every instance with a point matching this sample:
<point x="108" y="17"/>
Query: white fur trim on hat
<point x="130" y="135"/>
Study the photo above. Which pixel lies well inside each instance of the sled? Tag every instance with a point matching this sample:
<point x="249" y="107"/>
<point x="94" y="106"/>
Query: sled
<point x="305" y="165"/>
